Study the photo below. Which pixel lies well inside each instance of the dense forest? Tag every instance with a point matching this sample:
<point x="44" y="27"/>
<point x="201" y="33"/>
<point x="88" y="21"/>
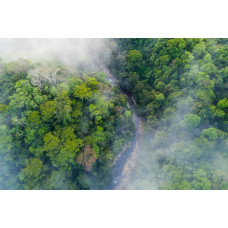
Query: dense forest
<point x="62" y="127"/>
<point x="181" y="90"/>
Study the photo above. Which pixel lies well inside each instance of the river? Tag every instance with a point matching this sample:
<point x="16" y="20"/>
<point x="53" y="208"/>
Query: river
<point x="126" y="160"/>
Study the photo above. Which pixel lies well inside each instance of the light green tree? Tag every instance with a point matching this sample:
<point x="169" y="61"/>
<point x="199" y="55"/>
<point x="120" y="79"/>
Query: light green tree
<point x="48" y="110"/>
<point x="82" y="92"/>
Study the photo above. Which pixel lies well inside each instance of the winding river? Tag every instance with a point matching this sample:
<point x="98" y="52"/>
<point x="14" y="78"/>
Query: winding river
<point x="125" y="161"/>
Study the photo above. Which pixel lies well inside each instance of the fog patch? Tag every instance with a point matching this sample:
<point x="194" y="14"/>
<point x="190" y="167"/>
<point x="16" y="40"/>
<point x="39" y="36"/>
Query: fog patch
<point x="86" y="54"/>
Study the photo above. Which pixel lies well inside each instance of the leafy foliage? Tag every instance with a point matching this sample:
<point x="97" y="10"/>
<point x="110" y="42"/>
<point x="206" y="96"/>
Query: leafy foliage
<point x="58" y="127"/>
<point x="180" y="87"/>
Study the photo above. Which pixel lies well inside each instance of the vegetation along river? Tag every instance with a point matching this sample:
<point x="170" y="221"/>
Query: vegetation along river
<point x="126" y="159"/>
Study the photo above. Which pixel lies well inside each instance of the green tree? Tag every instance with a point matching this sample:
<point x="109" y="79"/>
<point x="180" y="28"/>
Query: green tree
<point x="51" y="143"/>
<point x="191" y="121"/>
<point x="63" y="109"/>
<point x="211" y="133"/>
<point x="223" y="104"/>
<point x="134" y="56"/>
<point x="62" y="152"/>
<point x="48" y="110"/>
<point x="82" y="92"/>
<point x="33" y="173"/>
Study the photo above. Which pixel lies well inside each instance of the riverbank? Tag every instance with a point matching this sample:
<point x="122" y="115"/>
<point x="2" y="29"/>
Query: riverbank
<point x="127" y="158"/>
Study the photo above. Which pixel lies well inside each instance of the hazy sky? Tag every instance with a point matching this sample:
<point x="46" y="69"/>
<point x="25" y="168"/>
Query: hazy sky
<point x="68" y="51"/>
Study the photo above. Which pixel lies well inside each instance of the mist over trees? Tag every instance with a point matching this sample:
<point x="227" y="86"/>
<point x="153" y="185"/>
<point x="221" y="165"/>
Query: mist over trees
<point x="181" y="89"/>
<point x="62" y="123"/>
<point x="83" y="54"/>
